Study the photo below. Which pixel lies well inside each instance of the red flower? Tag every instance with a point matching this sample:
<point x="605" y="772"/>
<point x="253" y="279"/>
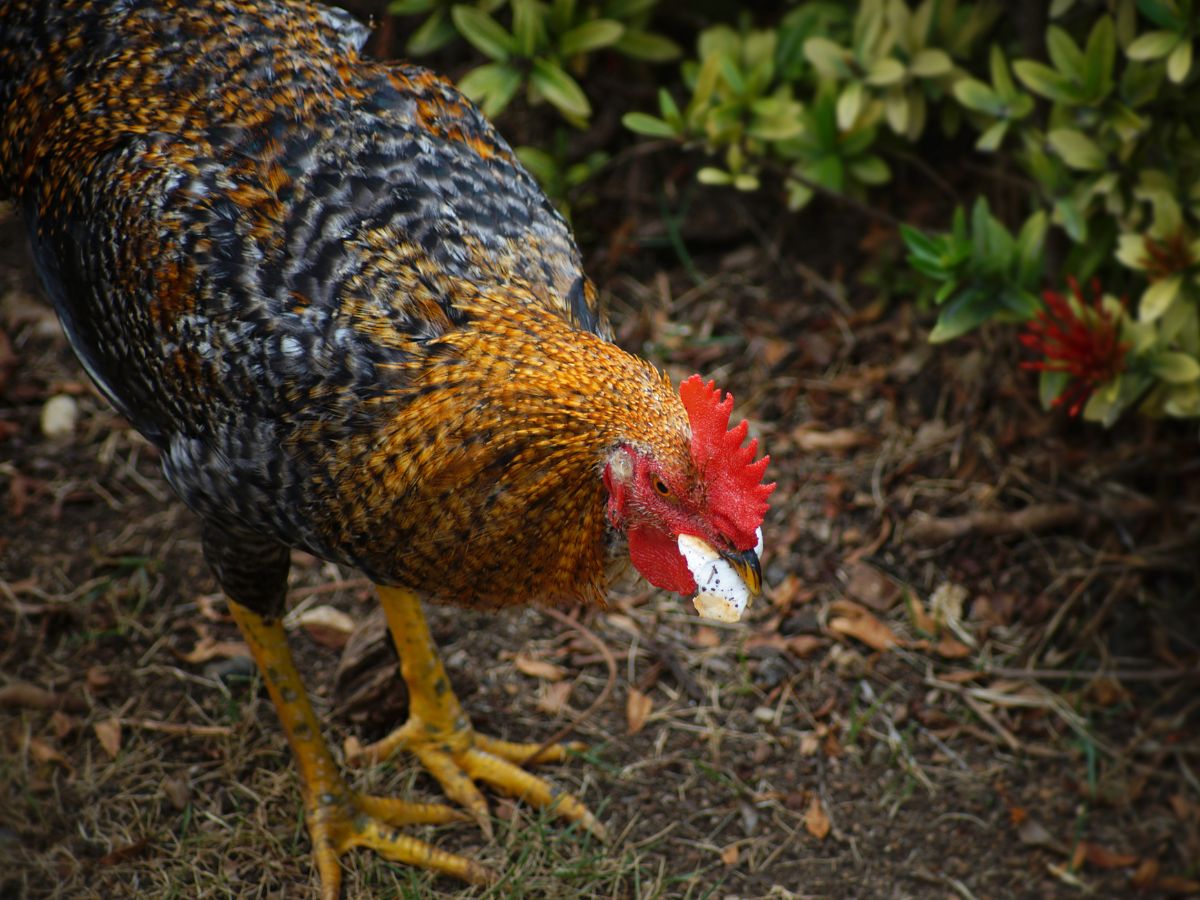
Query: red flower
<point x="1078" y="338"/>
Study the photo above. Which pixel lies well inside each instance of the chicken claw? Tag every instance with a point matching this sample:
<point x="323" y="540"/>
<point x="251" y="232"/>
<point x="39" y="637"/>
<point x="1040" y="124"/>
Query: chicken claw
<point x="440" y="735"/>
<point x="338" y="818"/>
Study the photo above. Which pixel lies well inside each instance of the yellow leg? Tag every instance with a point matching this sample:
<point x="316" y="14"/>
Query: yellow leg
<point x="339" y="818"/>
<point x="441" y="736"/>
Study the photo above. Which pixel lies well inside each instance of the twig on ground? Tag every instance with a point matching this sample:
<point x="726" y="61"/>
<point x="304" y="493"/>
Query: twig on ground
<point x="1089" y="674"/>
<point x="30" y="696"/>
<point x="1000" y="523"/>
<point x="601" y="699"/>
<point x="178" y="729"/>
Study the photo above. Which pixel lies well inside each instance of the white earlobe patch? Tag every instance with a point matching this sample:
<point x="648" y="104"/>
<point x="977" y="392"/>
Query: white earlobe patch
<point x="721" y="593"/>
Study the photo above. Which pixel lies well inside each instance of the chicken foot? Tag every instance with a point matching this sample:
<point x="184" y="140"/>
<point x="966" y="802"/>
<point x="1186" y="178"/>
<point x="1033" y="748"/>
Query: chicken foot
<point x="440" y="735"/>
<point x="339" y="818"/>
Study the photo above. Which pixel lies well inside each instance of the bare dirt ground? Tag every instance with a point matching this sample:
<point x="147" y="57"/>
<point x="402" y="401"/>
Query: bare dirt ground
<point x="974" y="673"/>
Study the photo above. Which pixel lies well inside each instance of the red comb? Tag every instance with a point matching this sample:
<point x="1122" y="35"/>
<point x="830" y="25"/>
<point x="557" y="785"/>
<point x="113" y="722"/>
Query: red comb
<point x="736" y="495"/>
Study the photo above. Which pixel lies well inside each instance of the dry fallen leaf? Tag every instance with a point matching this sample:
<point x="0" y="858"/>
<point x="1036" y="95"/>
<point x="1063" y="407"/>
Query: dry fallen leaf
<point x="870" y="587"/>
<point x="554" y="697"/>
<point x="108" y="733"/>
<point x="854" y="621"/>
<point x="706" y="637"/>
<point x="97" y="679"/>
<point x="1107" y="691"/>
<point x="730" y="855"/>
<point x="920" y="619"/>
<point x="950" y="648"/>
<point x="1033" y="833"/>
<point x="808" y="438"/>
<point x="42" y="752"/>
<point x="327" y="625"/>
<point x="805" y="645"/>
<point x="62" y="724"/>
<point x="1103" y="858"/>
<point x="947" y="603"/>
<point x="1177" y="884"/>
<point x="1146" y="874"/>
<point x="208" y="648"/>
<point x="538" y="668"/>
<point x="637" y="707"/>
<point x="177" y="791"/>
<point x="816" y="821"/>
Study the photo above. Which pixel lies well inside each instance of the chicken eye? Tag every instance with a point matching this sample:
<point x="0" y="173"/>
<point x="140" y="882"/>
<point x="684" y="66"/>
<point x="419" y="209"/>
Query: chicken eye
<point x="661" y="487"/>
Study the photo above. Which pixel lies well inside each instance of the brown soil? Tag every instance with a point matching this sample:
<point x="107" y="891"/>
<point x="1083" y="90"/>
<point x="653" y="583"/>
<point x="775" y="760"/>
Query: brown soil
<point x="1041" y="740"/>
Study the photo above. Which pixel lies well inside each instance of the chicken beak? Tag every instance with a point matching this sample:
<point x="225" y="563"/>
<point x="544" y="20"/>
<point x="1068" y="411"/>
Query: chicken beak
<point x="746" y="564"/>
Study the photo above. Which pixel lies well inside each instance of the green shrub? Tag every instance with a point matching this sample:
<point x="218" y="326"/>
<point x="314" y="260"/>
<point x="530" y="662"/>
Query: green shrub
<point x="1102" y="132"/>
<point x="543" y="47"/>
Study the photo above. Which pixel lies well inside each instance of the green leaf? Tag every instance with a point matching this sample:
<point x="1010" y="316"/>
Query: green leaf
<point x="529" y="30"/>
<point x="484" y="32"/>
<point x="670" y="109"/>
<point x="775" y="119"/>
<point x="720" y="39"/>
<point x="732" y="74"/>
<point x="993" y="137"/>
<point x="827" y="57"/>
<point x="627" y="9"/>
<point x="1065" y="53"/>
<point x="885" y="71"/>
<point x="647" y="47"/>
<point x="1175" y="367"/>
<point x="492" y="86"/>
<point x="1179" y="63"/>
<point x="1046" y="82"/>
<point x="870" y="170"/>
<point x="966" y="312"/>
<point x="641" y="123"/>
<point x="1017" y="306"/>
<point x="1105" y="405"/>
<point x="410" y="7"/>
<point x="706" y="84"/>
<point x="1076" y="149"/>
<point x="590" y="36"/>
<point x="1068" y="214"/>
<point x="541" y="164"/>
<point x="978" y="96"/>
<point x="896" y="108"/>
<point x="1099" y="57"/>
<point x="1050" y="386"/>
<point x="921" y="245"/>
<point x="1152" y="45"/>
<point x="432" y="35"/>
<point x="1131" y="251"/>
<point x="849" y="104"/>
<point x="712" y="175"/>
<point x="1001" y="79"/>
<point x="1162" y="13"/>
<point x="560" y="89"/>
<point x="1159" y="297"/>
<point x="799" y="194"/>
<point x="931" y="63"/>
<point x="1030" y="248"/>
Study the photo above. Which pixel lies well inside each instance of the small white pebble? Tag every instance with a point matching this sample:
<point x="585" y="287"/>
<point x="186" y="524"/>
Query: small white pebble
<point x="59" y="416"/>
<point x="764" y="714"/>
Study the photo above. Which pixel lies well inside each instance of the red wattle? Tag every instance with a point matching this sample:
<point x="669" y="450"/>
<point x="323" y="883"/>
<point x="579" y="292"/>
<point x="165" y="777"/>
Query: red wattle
<point x="656" y="556"/>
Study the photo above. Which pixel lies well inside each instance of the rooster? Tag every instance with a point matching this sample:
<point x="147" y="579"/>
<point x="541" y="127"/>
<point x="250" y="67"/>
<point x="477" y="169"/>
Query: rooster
<point x="325" y="289"/>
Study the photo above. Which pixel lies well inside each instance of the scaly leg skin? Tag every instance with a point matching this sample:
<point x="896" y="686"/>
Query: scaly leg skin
<point x="339" y="818"/>
<point x="441" y="736"/>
